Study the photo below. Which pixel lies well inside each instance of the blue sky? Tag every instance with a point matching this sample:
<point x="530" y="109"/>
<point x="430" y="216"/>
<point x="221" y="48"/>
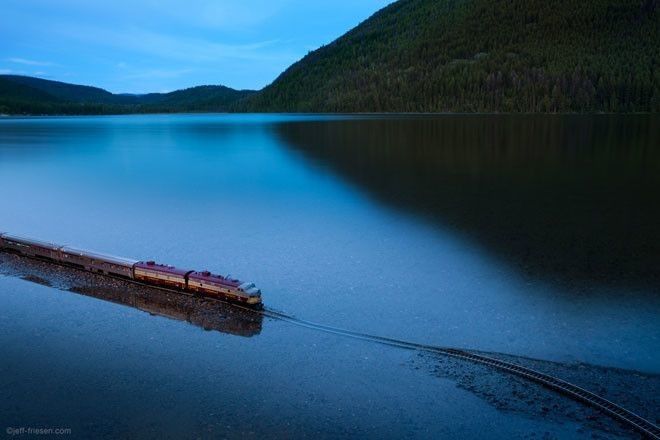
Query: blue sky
<point x="138" y="46"/>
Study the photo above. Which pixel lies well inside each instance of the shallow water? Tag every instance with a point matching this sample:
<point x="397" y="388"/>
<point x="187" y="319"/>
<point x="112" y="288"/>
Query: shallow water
<point x="527" y="235"/>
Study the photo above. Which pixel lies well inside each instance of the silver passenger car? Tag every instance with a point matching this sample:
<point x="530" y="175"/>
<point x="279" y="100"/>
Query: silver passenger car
<point x="98" y="262"/>
<point x="30" y="247"/>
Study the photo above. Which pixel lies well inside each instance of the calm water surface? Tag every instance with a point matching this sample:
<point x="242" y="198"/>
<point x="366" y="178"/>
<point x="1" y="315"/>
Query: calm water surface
<point x="534" y="236"/>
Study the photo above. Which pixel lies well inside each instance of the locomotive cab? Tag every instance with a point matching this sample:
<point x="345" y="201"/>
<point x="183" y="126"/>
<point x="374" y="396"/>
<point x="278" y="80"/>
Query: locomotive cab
<point x="254" y="294"/>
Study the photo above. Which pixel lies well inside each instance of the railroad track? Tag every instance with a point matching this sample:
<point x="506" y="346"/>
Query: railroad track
<point x="575" y="392"/>
<point x="628" y="418"/>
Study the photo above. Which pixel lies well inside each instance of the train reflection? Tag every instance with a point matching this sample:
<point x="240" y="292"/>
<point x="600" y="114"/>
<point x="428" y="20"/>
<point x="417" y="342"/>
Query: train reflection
<point x="207" y="314"/>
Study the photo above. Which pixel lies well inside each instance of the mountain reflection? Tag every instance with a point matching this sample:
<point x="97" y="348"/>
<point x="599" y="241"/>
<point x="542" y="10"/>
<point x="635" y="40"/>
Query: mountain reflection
<point x="209" y="315"/>
<point x="569" y="198"/>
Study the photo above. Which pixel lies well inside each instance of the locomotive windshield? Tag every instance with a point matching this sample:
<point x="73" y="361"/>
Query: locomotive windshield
<point x="250" y="289"/>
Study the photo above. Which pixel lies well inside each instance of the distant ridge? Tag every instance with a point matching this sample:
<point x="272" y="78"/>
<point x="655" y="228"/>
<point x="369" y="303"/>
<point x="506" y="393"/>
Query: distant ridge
<point x="29" y="95"/>
<point x="429" y="56"/>
<point x="61" y="91"/>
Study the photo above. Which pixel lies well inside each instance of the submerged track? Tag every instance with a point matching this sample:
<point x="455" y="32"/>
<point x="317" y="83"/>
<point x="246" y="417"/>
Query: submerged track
<point x="575" y="392"/>
<point x="628" y="418"/>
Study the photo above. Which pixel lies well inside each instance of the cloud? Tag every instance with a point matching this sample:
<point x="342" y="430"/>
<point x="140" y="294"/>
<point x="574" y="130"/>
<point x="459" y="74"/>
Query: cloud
<point x="166" y="44"/>
<point x="158" y="73"/>
<point x="220" y="14"/>
<point x="28" y="62"/>
<point x="5" y="71"/>
<point x="173" y="47"/>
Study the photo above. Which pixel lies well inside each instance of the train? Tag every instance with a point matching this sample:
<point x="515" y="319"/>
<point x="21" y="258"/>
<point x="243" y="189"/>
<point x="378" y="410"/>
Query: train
<point x="201" y="283"/>
<point x="218" y="316"/>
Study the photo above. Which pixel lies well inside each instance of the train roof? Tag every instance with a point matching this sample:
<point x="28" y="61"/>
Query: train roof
<point x="213" y="278"/>
<point x="30" y="241"/>
<point x="99" y="256"/>
<point x="164" y="268"/>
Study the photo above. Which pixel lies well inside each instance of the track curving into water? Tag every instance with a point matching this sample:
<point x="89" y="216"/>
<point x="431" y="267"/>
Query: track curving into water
<point x="575" y="392"/>
<point x="628" y="418"/>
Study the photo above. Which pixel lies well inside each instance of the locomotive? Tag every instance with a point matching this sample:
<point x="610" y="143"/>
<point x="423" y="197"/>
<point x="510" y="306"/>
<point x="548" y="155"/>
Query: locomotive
<point x="202" y="283"/>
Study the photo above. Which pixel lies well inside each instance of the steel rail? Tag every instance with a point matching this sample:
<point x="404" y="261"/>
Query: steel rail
<point x="573" y="391"/>
<point x="577" y="393"/>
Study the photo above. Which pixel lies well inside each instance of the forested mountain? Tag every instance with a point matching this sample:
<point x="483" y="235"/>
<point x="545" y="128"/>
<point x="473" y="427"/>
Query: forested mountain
<point x="27" y="95"/>
<point x="11" y="91"/>
<point x="482" y="56"/>
<point x="201" y="98"/>
<point x="430" y="56"/>
<point x="65" y="92"/>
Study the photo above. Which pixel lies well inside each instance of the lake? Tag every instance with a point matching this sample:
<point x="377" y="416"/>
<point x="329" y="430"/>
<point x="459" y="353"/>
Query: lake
<point x="534" y="236"/>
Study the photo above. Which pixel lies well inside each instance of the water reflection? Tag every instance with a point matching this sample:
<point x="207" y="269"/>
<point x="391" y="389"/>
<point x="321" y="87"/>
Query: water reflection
<point x="566" y="198"/>
<point x="209" y="315"/>
<point x="36" y="139"/>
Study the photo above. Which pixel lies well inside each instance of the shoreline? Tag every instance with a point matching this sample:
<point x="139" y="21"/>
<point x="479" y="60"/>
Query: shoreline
<point x="37" y="115"/>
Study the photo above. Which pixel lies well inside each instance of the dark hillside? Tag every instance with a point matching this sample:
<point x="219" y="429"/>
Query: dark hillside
<point x="200" y="98"/>
<point x="67" y="92"/>
<point x="482" y="56"/>
<point x="28" y="95"/>
<point x="13" y="92"/>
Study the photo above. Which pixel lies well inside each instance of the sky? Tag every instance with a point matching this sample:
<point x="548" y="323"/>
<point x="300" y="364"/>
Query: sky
<point x="140" y="46"/>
